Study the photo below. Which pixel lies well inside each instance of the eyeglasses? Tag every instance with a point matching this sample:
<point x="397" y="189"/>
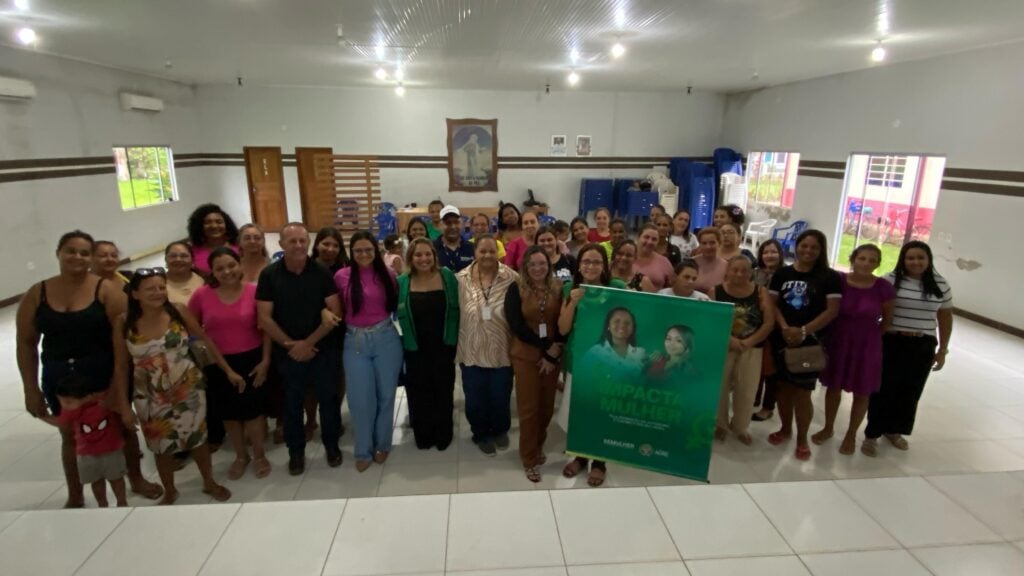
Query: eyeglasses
<point x="146" y="272"/>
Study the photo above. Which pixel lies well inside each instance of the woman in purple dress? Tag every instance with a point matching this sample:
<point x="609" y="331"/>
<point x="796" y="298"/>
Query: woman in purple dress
<point x="855" y="345"/>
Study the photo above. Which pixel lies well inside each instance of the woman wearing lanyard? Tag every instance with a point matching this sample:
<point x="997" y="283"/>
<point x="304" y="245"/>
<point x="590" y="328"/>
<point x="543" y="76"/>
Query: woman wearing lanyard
<point x="484" y="344"/>
<point x="428" y="312"/>
<point x="373" y="349"/>
<point x="532" y="306"/>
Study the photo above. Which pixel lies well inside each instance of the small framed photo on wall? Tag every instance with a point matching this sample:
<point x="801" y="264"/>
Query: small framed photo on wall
<point x="583" y="146"/>
<point x="558" y="145"/>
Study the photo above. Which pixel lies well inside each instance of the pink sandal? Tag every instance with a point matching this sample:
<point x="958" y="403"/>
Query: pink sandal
<point x="802" y="453"/>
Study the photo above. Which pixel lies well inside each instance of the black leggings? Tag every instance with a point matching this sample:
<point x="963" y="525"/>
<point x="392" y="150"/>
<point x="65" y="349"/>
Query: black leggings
<point x="906" y="365"/>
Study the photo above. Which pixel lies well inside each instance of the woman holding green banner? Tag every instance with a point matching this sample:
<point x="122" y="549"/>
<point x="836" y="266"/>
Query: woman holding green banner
<point x="532" y="306"/>
<point x="806" y="296"/>
<point x="593" y="271"/>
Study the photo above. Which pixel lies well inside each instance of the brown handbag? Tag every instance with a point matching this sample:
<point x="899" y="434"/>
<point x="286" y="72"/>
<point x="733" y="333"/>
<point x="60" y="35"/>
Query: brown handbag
<point x="805" y="359"/>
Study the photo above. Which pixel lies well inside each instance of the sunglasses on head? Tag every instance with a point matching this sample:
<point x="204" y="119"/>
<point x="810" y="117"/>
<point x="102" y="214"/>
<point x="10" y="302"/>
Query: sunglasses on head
<point x="155" y="271"/>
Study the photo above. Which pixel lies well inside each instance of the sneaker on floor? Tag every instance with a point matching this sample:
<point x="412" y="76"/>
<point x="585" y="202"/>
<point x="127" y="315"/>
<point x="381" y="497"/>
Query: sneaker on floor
<point x="296" y="465"/>
<point x="487" y="447"/>
<point x="501" y="442"/>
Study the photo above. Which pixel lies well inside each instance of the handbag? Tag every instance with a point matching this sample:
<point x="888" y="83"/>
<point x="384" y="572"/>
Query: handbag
<point x="200" y="353"/>
<point x="805" y="359"/>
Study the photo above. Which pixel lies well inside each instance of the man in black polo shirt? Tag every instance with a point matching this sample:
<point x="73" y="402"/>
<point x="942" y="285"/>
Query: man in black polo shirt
<point x="453" y="252"/>
<point x="290" y="297"/>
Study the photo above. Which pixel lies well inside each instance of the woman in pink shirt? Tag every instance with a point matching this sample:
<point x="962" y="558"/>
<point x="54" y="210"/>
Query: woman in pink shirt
<point x="515" y="249"/>
<point x="648" y="262"/>
<point x="209" y="228"/>
<point x="372" y="349"/>
<point x="226" y="308"/>
<point x="712" y="266"/>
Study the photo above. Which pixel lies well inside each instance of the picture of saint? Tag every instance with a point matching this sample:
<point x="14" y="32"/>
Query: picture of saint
<point x="472" y="155"/>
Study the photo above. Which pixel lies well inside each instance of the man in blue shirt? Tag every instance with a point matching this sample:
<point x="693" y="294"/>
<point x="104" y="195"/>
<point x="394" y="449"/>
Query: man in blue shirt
<point x="453" y="252"/>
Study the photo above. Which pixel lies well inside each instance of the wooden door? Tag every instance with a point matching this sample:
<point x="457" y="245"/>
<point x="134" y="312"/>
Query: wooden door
<point x="265" y="176"/>
<point x="306" y="166"/>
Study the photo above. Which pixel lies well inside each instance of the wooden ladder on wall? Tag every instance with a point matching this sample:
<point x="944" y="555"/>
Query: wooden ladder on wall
<point x="346" y="193"/>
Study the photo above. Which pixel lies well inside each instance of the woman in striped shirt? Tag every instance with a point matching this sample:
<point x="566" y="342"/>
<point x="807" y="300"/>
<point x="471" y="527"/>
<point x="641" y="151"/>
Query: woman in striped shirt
<point x="923" y="303"/>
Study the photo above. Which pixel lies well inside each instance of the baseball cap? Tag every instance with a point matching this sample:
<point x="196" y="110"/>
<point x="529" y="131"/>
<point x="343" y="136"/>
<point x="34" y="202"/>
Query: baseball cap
<point x="449" y="210"/>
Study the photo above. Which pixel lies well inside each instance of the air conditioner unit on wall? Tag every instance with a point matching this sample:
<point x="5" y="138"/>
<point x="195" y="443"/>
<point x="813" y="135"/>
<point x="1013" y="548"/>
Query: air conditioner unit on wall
<point x="131" y="101"/>
<point x="17" y="89"/>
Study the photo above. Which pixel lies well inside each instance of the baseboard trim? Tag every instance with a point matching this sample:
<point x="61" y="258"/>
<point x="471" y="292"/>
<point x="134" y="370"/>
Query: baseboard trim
<point x="985" y="320"/>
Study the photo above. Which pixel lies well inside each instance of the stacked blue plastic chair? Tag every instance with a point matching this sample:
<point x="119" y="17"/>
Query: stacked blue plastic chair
<point x="619" y="197"/>
<point x="697" y="195"/>
<point x="595" y="193"/>
<point x="546" y="220"/>
<point x="386" y="219"/>
<point x="726" y="160"/>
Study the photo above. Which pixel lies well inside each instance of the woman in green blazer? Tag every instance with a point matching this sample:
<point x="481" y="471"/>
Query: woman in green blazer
<point x="428" y="314"/>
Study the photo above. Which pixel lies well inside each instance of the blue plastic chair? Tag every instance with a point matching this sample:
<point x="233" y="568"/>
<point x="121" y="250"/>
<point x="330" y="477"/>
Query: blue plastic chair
<point x="546" y="220"/>
<point x="787" y="236"/>
<point x="386" y="224"/>
<point x="595" y="193"/>
<point x="639" y="204"/>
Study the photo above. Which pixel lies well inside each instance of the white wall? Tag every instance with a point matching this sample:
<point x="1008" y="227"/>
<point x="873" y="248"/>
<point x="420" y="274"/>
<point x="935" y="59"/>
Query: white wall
<point x="77" y="113"/>
<point x="966" y="106"/>
<point x="375" y="121"/>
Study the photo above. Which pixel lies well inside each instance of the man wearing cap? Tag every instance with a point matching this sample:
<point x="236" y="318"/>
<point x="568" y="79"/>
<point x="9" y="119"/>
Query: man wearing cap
<point x="453" y="252"/>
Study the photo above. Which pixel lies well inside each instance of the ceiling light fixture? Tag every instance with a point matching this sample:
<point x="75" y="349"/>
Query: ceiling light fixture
<point x="618" y="50"/>
<point x="22" y="5"/>
<point x="399" y="73"/>
<point x="620" y="17"/>
<point x="878" y="54"/>
<point x="379" y="50"/>
<point x="573" y="78"/>
<point x="400" y="90"/>
<point x="381" y="74"/>
<point x="27" y="36"/>
<point x="574" y="55"/>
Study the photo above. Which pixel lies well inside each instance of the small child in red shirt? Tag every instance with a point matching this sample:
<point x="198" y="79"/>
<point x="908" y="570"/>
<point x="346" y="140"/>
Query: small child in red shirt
<point x="98" y="439"/>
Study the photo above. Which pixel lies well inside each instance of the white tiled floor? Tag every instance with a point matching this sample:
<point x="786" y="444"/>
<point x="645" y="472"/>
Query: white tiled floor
<point x="952" y="504"/>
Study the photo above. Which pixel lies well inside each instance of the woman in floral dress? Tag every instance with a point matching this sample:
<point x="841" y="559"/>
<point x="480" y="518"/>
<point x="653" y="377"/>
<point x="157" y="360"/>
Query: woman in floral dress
<point x="169" y="394"/>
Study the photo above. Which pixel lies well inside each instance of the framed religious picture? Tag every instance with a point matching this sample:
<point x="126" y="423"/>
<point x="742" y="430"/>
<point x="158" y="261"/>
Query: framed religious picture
<point x="583" y="145"/>
<point x="558" y="145"/>
<point x="472" y="155"/>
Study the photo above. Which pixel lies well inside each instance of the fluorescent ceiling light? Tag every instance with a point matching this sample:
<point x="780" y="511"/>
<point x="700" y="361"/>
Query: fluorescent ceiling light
<point x="381" y="74"/>
<point x="618" y="50"/>
<point x="573" y="78"/>
<point x="400" y="90"/>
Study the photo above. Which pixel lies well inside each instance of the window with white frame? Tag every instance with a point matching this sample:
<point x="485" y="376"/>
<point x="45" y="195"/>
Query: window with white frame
<point x="145" y="176"/>
<point x="771" y="178"/>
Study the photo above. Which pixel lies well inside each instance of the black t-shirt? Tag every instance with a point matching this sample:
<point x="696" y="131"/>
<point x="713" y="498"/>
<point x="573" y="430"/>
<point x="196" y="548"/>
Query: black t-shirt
<point x="564" y="269"/>
<point x="803" y="295"/>
<point x="454" y="260"/>
<point x="298" y="298"/>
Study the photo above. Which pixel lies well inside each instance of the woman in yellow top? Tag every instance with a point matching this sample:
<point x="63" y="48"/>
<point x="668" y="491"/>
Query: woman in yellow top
<point x="105" y="259"/>
<point x="481" y="224"/>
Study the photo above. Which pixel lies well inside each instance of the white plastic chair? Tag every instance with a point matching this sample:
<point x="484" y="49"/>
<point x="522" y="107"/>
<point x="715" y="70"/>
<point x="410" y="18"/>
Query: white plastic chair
<point x="758" y="232"/>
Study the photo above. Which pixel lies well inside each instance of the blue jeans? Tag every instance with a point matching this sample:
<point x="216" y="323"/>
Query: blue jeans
<point x="322" y="373"/>
<point x="488" y="400"/>
<point x="372" y="360"/>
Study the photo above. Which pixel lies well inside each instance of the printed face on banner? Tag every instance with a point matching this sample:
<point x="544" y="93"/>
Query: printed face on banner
<point x="647" y="370"/>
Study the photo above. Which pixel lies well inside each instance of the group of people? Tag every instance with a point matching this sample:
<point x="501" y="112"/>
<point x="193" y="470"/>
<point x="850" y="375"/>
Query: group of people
<point x="208" y="348"/>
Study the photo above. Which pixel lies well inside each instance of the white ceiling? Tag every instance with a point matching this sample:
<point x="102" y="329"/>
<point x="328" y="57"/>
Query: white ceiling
<point x="713" y="45"/>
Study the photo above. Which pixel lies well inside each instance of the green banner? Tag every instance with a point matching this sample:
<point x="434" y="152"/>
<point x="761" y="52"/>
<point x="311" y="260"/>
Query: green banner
<point x="647" y="370"/>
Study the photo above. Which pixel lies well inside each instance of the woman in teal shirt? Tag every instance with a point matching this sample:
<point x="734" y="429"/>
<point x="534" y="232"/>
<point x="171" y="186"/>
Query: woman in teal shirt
<point x="593" y="270"/>
<point x="428" y="313"/>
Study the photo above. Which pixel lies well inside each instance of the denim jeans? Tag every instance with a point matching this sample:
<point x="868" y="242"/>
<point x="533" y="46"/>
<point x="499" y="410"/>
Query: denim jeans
<point x="488" y="400"/>
<point x="373" y="359"/>
<point x="320" y="372"/>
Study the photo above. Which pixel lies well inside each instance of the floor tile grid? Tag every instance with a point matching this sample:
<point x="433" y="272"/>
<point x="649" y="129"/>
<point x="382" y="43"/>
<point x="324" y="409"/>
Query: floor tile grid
<point x="104" y="540"/>
<point x="1001" y="538"/>
<point x="558" y="529"/>
<point x="334" y="537"/>
<point x="994" y="529"/>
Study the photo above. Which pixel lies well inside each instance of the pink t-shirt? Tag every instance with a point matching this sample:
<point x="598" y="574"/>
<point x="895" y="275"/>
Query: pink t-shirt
<point x="659" y="270"/>
<point x="232" y="327"/>
<point x="200" y="256"/>
<point x="710" y="274"/>
<point x="374" y="309"/>
<point x="514" y="252"/>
